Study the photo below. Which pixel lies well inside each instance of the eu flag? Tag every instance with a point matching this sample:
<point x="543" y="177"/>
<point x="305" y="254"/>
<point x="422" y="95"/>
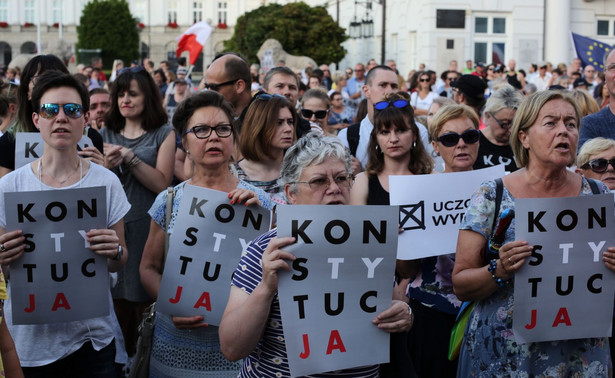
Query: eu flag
<point x="590" y="51"/>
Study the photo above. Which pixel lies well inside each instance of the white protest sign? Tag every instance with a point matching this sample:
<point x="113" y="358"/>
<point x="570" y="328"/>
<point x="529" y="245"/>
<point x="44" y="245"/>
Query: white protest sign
<point x="58" y="278"/>
<point x="342" y="279"/>
<point x="431" y="208"/>
<point x="208" y="239"/>
<point x="29" y="147"/>
<point x="564" y="291"/>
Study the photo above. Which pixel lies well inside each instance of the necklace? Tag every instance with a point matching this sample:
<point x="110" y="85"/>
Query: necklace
<point x="61" y="182"/>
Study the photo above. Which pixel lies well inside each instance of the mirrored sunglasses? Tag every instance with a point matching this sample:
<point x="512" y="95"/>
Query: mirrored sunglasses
<point x="51" y="110"/>
<point x="399" y="104"/>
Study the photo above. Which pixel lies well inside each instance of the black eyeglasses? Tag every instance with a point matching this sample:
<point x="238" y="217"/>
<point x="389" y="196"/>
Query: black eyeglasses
<point x="504" y="125"/>
<point x="424" y="80"/>
<point x="134" y="69"/>
<point x="216" y="87"/>
<point x="399" y="104"/>
<point x="49" y="111"/>
<point x="320" y="184"/>
<point x="203" y="131"/>
<point x="451" y="139"/>
<point x="307" y="113"/>
<point x="599" y="165"/>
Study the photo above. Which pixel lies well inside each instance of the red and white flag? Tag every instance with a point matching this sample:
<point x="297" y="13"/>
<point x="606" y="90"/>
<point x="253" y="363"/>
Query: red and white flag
<point x="193" y="40"/>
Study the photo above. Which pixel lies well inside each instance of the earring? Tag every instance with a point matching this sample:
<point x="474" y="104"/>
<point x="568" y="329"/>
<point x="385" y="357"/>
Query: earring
<point x="414" y="144"/>
<point x="378" y="149"/>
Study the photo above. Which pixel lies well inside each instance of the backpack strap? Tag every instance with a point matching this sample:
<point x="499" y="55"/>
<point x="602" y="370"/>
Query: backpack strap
<point x="353" y="138"/>
<point x="594" y="185"/>
<point x="499" y="189"/>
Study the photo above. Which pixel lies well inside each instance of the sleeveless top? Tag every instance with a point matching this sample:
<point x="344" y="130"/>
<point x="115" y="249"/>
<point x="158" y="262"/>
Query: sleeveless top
<point x="376" y="194"/>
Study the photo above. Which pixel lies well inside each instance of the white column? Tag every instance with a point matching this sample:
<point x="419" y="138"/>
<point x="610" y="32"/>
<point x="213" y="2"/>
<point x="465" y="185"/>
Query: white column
<point x="557" y="31"/>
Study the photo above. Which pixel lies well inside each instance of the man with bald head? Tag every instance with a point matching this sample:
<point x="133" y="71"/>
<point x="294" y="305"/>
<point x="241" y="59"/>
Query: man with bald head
<point x="229" y="74"/>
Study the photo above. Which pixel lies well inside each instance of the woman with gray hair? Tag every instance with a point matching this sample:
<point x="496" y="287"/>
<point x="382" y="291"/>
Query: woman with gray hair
<point x="316" y="171"/>
<point x="544" y="138"/>
<point x="596" y="160"/>
<point x="494" y="140"/>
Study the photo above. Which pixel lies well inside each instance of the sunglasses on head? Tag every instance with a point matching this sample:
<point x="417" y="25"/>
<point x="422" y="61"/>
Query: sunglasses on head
<point x="451" y="139"/>
<point x="599" y="165"/>
<point x="399" y="104"/>
<point x="266" y="96"/>
<point x="307" y="113"/>
<point x="134" y="69"/>
<point x="49" y="111"/>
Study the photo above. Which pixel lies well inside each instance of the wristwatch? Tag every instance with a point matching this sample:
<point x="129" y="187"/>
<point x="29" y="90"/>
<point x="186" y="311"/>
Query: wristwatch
<point x="120" y="253"/>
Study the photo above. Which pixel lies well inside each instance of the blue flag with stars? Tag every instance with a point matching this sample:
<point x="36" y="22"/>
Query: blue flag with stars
<point x="590" y="51"/>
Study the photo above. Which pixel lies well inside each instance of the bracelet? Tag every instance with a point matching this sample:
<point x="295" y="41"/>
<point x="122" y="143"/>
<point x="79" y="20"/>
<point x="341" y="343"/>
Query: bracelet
<point x="410" y="314"/>
<point x="133" y="162"/>
<point x="493" y="265"/>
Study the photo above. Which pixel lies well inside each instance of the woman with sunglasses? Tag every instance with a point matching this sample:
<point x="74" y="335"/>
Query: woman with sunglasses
<point x="89" y="347"/>
<point x="454" y="134"/>
<point x="268" y="131"/>
<point x="315" y="109"/>
<point x="495" y="137"/>
<point x="32" y="70"/>
<point x="421" y="99"/>
<point x="596" y="160"/>
<point x="544" y="138"/>
<point x="187" y="346"/>
<point x="140" y="150"/>
<point x="395" y="148"/>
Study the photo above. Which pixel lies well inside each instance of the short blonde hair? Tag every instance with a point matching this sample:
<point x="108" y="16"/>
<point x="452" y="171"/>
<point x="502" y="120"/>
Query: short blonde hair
<point x="526" y="116"/>
<point x="449" y="113"/>
<point x="587" y="103"/>
<point x="593" y="147"/>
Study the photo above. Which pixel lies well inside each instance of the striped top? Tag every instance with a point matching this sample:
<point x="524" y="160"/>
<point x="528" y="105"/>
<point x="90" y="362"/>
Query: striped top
<point x="269" y="358"/>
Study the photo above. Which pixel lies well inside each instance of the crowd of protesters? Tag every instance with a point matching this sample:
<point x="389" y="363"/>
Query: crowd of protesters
<point x="301" y="136"/>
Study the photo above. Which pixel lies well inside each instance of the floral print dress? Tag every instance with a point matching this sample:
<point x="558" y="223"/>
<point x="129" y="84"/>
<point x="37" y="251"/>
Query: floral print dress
<point x="489" y="348"/>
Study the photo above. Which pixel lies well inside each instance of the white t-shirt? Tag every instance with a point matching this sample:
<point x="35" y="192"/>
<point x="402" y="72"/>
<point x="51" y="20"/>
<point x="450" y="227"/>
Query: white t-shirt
<point x="42" y="344"/>
<point x="424" y="103"/>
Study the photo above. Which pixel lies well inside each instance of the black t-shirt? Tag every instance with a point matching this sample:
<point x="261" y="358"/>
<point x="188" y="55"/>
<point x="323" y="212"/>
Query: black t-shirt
<point x="7" y="147"/>
<point x="490" y="154"/>
<point x="7" y="151"/>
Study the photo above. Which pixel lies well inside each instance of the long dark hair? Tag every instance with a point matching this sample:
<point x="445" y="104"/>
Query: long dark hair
<point x="403" y="119"/>
<point x="153" y="116"/>
<point x="36" y="66"/>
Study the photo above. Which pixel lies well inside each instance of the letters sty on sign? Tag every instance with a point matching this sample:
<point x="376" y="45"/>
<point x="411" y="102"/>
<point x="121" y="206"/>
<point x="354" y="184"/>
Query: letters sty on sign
<point x="58" y="278"/>
<point x="342" y="278"/>
<point x="431" y="208"/>
<point x="207" y="242"/>
<point x="564" y="291"/>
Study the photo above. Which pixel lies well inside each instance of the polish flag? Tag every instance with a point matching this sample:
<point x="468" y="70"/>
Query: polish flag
<point x="193" y="40"/>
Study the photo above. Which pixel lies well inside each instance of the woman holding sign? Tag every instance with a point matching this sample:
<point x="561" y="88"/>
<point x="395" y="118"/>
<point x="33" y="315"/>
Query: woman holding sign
<point x="316" y="171"/>
<point x="92" y="346"/>
<point x="544" y="139"/>
<point x="187" y="346"/>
